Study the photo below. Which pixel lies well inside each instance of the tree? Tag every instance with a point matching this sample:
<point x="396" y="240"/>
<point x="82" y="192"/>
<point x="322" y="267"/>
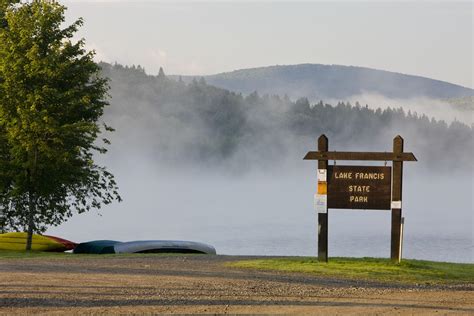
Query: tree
<point x="161" y="73"/>
<point x="51" y="100"/>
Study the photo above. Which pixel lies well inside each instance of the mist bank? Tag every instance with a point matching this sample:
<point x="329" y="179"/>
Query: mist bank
<point x="196" y="124"/>
<point x="448" y="110"/>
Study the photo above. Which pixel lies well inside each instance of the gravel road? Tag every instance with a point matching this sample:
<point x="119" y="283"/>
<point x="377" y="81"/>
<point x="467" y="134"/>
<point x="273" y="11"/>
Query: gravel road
<point x="203" y="284"/>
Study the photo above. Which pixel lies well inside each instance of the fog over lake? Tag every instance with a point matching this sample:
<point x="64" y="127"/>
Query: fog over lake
<point x="270" y="212"/>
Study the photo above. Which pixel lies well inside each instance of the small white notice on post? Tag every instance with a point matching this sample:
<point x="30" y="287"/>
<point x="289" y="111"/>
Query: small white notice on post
<point x="320" y="203"/>
<point x="322" y="175"/>
<point x="397" y="204"/>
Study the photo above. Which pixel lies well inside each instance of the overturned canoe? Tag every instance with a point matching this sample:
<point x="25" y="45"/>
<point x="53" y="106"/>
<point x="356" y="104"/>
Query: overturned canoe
<point x="144" y="246"/>
<point x="96" y="247"/>
<point x="17" y="241"/>
<point x="164" y="246"/>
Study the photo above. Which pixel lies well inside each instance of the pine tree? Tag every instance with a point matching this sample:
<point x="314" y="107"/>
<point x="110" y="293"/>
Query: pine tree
<point x="161" y="73"/>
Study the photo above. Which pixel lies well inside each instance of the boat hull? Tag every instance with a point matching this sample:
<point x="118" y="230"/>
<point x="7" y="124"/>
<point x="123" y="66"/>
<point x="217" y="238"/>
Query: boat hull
<point x="164" y="246"/>
<point x="96" y="247"/>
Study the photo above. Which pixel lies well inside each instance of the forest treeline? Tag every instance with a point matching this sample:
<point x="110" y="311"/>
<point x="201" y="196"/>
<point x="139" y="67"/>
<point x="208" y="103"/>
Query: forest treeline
<point x="198" y="123"/>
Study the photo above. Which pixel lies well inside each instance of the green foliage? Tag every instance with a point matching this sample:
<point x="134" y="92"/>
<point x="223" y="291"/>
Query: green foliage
<point x="51" y="100"/>
<point x="371" y="269"/>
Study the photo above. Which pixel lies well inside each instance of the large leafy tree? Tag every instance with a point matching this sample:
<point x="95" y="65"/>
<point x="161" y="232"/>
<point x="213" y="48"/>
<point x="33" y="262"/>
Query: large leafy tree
<point x="51" y="102"/>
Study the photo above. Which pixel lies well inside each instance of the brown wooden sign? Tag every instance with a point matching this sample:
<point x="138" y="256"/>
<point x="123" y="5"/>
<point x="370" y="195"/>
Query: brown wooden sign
<point x="359" y="187"/>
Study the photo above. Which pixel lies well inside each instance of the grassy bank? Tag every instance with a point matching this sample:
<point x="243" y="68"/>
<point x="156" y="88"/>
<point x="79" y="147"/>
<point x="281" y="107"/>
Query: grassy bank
<point x="372" y="269"/>
<point x="8" y="254"/>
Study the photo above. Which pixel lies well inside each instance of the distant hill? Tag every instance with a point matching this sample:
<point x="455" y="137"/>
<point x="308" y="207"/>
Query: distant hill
<point x="333" y="82"/>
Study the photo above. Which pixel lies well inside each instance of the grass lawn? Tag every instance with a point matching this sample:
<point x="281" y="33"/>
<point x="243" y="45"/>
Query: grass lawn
<point x="373" y="269"/>
<point x="8" y="254"/>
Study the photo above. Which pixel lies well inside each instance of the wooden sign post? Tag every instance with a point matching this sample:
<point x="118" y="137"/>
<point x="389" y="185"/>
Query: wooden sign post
<point x="323" y="214"/>
<point x="395" y="240"/>
<point x="359" y="187"/>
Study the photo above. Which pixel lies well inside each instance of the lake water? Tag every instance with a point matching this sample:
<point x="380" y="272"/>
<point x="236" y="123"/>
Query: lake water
<point x="272" y="214"/>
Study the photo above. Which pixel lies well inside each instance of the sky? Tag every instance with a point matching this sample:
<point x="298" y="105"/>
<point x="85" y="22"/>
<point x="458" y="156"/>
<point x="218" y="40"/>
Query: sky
<point x="430" y="39"/>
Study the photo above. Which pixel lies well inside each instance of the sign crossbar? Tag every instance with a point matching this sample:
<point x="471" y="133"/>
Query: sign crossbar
<point x="355" y="155"/>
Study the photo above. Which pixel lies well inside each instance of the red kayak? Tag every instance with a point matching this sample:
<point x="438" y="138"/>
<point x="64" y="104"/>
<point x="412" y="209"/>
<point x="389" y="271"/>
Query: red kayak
<point x="69" y="245"/>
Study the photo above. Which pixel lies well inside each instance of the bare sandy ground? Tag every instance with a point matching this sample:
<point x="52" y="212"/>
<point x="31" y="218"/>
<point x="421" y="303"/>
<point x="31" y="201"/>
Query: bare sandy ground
<point x="151" y="284"/>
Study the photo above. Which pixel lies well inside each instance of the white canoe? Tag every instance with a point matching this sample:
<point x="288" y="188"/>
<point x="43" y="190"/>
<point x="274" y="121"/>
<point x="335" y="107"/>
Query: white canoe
<point x="164" y="246"/>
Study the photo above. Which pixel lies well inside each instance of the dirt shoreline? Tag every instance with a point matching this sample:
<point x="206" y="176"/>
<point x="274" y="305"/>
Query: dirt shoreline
<point x="203" y="284"/>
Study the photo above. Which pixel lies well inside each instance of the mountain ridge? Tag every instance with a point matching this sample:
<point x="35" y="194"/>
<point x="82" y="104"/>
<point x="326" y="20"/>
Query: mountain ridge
<point x="339" y="82"/>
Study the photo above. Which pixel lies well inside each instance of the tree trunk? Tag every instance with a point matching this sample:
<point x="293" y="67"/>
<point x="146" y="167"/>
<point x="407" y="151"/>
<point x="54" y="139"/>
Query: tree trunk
<point x="2" y="221"/>
<point x="31" y="222"/>
<point x="31" y="201"/>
